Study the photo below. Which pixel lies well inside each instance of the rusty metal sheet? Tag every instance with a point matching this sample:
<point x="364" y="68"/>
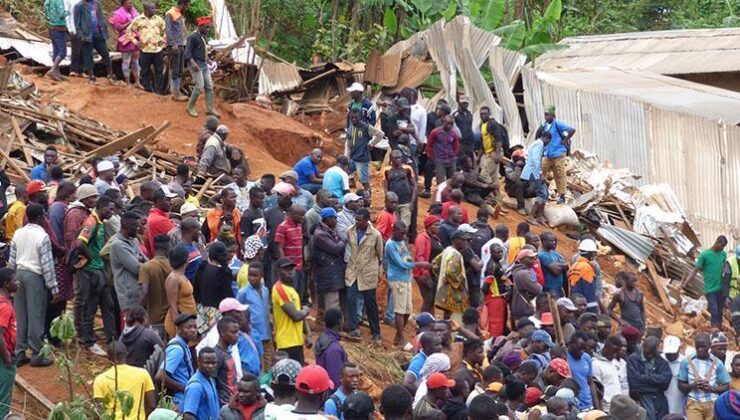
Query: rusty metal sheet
<point x="384" y="69"/>
<point x="413" y="73"/>
<point x="278" y="77"/>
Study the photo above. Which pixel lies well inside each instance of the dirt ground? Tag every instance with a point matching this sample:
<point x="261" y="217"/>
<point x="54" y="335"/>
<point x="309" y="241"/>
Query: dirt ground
<point x="272" y="142"/>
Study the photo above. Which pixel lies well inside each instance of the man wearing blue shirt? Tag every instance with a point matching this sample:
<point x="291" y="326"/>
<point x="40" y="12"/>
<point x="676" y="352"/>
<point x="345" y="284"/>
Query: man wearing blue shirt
<point x="256" y="295"/>
<point x="336" y="178"/>
<point x="533" y="174"/>
<point x="40" y="171"/>
<point x="201" y="398"/>
<point x="308" y="173"/>
<point x="582" y="370"/>
<point x="553" y="265"/>
<point x="430" y="343"/>
<point x="556" y="151"/>
<point x="178" y="365"/>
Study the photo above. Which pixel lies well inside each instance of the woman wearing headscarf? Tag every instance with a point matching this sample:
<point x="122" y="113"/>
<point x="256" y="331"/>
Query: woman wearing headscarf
<point x="254" y="250"/>
<point x="495" y="292"/>
<point x="435" y="363"/>
<point x="426" y="248"/>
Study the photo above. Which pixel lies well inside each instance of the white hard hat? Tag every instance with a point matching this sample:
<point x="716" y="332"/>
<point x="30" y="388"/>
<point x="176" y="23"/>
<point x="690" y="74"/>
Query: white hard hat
<point x="588" y="245"/>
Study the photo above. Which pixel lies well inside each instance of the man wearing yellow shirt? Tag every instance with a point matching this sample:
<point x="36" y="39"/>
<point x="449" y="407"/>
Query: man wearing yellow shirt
<point x="150" y="30"/>
<point x="16" y="212"/>
<point x="291" y="333"/>
<point x="126" y="378"/>
<point x="494" y="140"/>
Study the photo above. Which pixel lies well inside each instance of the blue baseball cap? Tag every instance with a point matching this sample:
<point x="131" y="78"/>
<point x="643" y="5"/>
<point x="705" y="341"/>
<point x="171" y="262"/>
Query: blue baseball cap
<point x="543" y="336"/>
<point x="328" y="212"/>
<point x="425" y="318"/>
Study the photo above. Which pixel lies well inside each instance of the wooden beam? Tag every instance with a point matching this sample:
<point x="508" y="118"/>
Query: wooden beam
<point x="119" y="144"/>
<point x="147" y="140"/>
<point x="22" y="140"/>
<point x="33" y="392"/>
<point x="659" y="286"/>
<point x="15" y="166"/>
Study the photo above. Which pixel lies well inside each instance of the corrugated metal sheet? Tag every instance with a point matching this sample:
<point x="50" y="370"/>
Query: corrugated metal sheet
<point x="664" y="52"/>
<point x="513" y="63"/>
<point x="633" y="244"/>
<point x="277" y="77"/>
<point x="413" y="73"/>
<point x="533" y="106"/>
<point x="505" y="95"/>
<point x="732" y="176"/>
<point x="384" y="69"/>
<point x="663" y="91"/>
<point x="435" y="37"/>
<point x="226" y="34"/>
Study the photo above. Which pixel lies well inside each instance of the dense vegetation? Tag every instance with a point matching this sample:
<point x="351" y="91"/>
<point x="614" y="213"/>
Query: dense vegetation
<point x="300" y="30"/>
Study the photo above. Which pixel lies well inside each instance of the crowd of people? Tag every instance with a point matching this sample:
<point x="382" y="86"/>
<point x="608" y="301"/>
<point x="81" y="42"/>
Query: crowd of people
<point x="154" y="49"/>
<point x="211" y="307"/>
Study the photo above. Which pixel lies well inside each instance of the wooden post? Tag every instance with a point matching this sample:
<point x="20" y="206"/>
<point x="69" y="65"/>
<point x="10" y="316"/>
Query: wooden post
<point x="556" y="320"/>
<point x="15" y="166"/>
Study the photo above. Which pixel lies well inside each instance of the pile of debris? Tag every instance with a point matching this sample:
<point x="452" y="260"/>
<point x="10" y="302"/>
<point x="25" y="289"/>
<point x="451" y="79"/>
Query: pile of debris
<point x="646" y="223"/>
<point x="27" y="128"/>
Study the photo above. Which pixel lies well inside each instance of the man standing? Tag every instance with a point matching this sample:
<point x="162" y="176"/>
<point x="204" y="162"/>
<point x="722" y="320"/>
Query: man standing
<point x="91" y="275"/>
<point x="494" y="140"/>
<point x="225" y="374"/>
<point x="400" y="124"/>
<point x="710" y="262"/>
<point x="75" y="66"/>
<point x="92" y="30"/>
<point x="158" y="222"/>
<point x="291" y="332"/>
<point x="241" y="187"/>
<point x="400" y="179"/>
<point x="437" y="393"/>
<point x="464" y="121"/>
<point x="452" y="284"/>
<point x="40" y="172"/>
<point x="199" y="66"/>
<point x="671" y="347"/>
<point x="309" y="177"/>
<point x="581" y="369"/>
<point x="364" y="267"/>
<point x="16" y="212"/>
<point x="526" y="287"/>
<point x="703" y="377"/>
<point x="443" y="146"/>
<point x="731" y="275"/>
<point x="359" y="102"/>
<point x="346" y="383"/>
<point x="122" y="377"/>
<point x="150" y="29"/>
<point x="361" y="136"/>
<point x="224" y="215"/>
<point x="582" y="276"/>
<point x="387" y="217"/>
<point x="152" y="276"/>
<point x="106" y="176"/>
<point x="31" y="255"/>
<point x="248" y="403"/>
<point x="649" y="376"/>
<point x="610" y="369"/>
<point x="330" y="354"/>
<point x="126" y="259"/>
<point x="336" y="178"/>
<point x="289" y="244"/>
<point x="201" y="396"/>
<point x="253" y="217"/>
<point x="174" y="29"/>
<point x="553" y="265"/>
<point x="398" y="265"/>
<point x="533" y="175"/>
<point x="556" y="150"/>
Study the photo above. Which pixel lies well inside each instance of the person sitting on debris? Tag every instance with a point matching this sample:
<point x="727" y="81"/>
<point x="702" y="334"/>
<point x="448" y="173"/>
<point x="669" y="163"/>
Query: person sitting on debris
<point x="40" y="172"/>
<point x="199" y="65"/>
<point x="336" y="178"/>
<point x="92" y="30"/>
<point x="359" y="102"/>
<point x="556" y="150"/>
<point x="214" y="160"/>
<point x="710" y="262"/>
<point x="361" y="136"/>
<point x="309" y="176"/>
<point x="208" y="129"/>
<point x="477" y="191"/>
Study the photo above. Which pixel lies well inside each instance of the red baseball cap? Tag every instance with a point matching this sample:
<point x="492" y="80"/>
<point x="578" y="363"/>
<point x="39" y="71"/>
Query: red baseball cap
<point x="533" y="396"/>
<point x="561" y="367"/>
<point x="203" y="20"/>
<point x="35" y="186"/>
<point x="313" y="380"/>
<point x="439" y="380"/>
<point x="546" y="319"/>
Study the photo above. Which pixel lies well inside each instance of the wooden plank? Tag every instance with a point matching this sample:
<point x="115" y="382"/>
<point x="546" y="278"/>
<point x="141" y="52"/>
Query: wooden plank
<point x="22" y="140"/>
<point x="15" y="166"/>
<point x="121" y="143"/>
<point x="659" y="286"/>
<point x="33" y="392"/>
<point x="559" y="337"/>
<point x="206" y="186"/>
<point x="147" y="140"/>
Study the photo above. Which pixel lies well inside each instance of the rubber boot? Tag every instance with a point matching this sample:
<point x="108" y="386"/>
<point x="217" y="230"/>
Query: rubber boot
<point x="191" y="104"/>
<point x="210" y="110"/>
<point x="175" y="90"/>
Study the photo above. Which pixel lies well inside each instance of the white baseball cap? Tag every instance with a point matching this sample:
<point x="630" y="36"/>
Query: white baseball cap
<point x="356" y="87"/>
<point x="105" y="165"/>
<point x="588" y="245"/>
<point x="466" y="228"/>
<point x="671" y="344"/>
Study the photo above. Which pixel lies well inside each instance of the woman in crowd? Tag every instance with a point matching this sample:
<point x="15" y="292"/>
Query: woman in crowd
<point x="178" y="288"/>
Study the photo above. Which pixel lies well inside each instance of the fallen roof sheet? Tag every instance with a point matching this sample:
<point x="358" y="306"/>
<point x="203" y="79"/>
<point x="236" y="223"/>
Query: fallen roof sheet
<point x="662" y="91"/>
<point x="384" y="69"/>
<point x="664" y="52"/>
<point x="413" y="73"/>
<point x="633" y="244"/>
<point x="225" y="31"/>
<point x="278" y="77"/>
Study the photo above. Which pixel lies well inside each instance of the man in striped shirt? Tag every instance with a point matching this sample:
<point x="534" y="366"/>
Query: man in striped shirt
<point x="703" y="377"/>
<point x="289" y="244"/>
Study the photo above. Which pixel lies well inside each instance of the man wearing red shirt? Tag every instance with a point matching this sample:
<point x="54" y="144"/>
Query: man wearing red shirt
<point x="387" y="216"/>
<point x="8" y="286"/>
<point x="158" y="222"/>
<point x="289" y="244"/>
<point x="456" y="197"/>
<point x="443" y="144"/>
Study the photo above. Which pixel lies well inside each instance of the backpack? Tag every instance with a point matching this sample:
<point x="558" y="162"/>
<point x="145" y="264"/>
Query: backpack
<point x="157" y="359"/>
<point x="339" y="404"/>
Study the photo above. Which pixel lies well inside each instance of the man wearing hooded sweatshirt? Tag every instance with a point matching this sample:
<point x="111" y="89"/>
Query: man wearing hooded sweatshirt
<point x="329" y="353"/>
<point x="526" y="286"/>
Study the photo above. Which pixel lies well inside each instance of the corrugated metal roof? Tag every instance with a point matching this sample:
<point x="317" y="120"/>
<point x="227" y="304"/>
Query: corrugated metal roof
<point x="664" y="52"/>
<point x="277" y="77"/>
<point x="637" y="246"/>
<point x="662" y="91"/>
<point x="505" y="95"/>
